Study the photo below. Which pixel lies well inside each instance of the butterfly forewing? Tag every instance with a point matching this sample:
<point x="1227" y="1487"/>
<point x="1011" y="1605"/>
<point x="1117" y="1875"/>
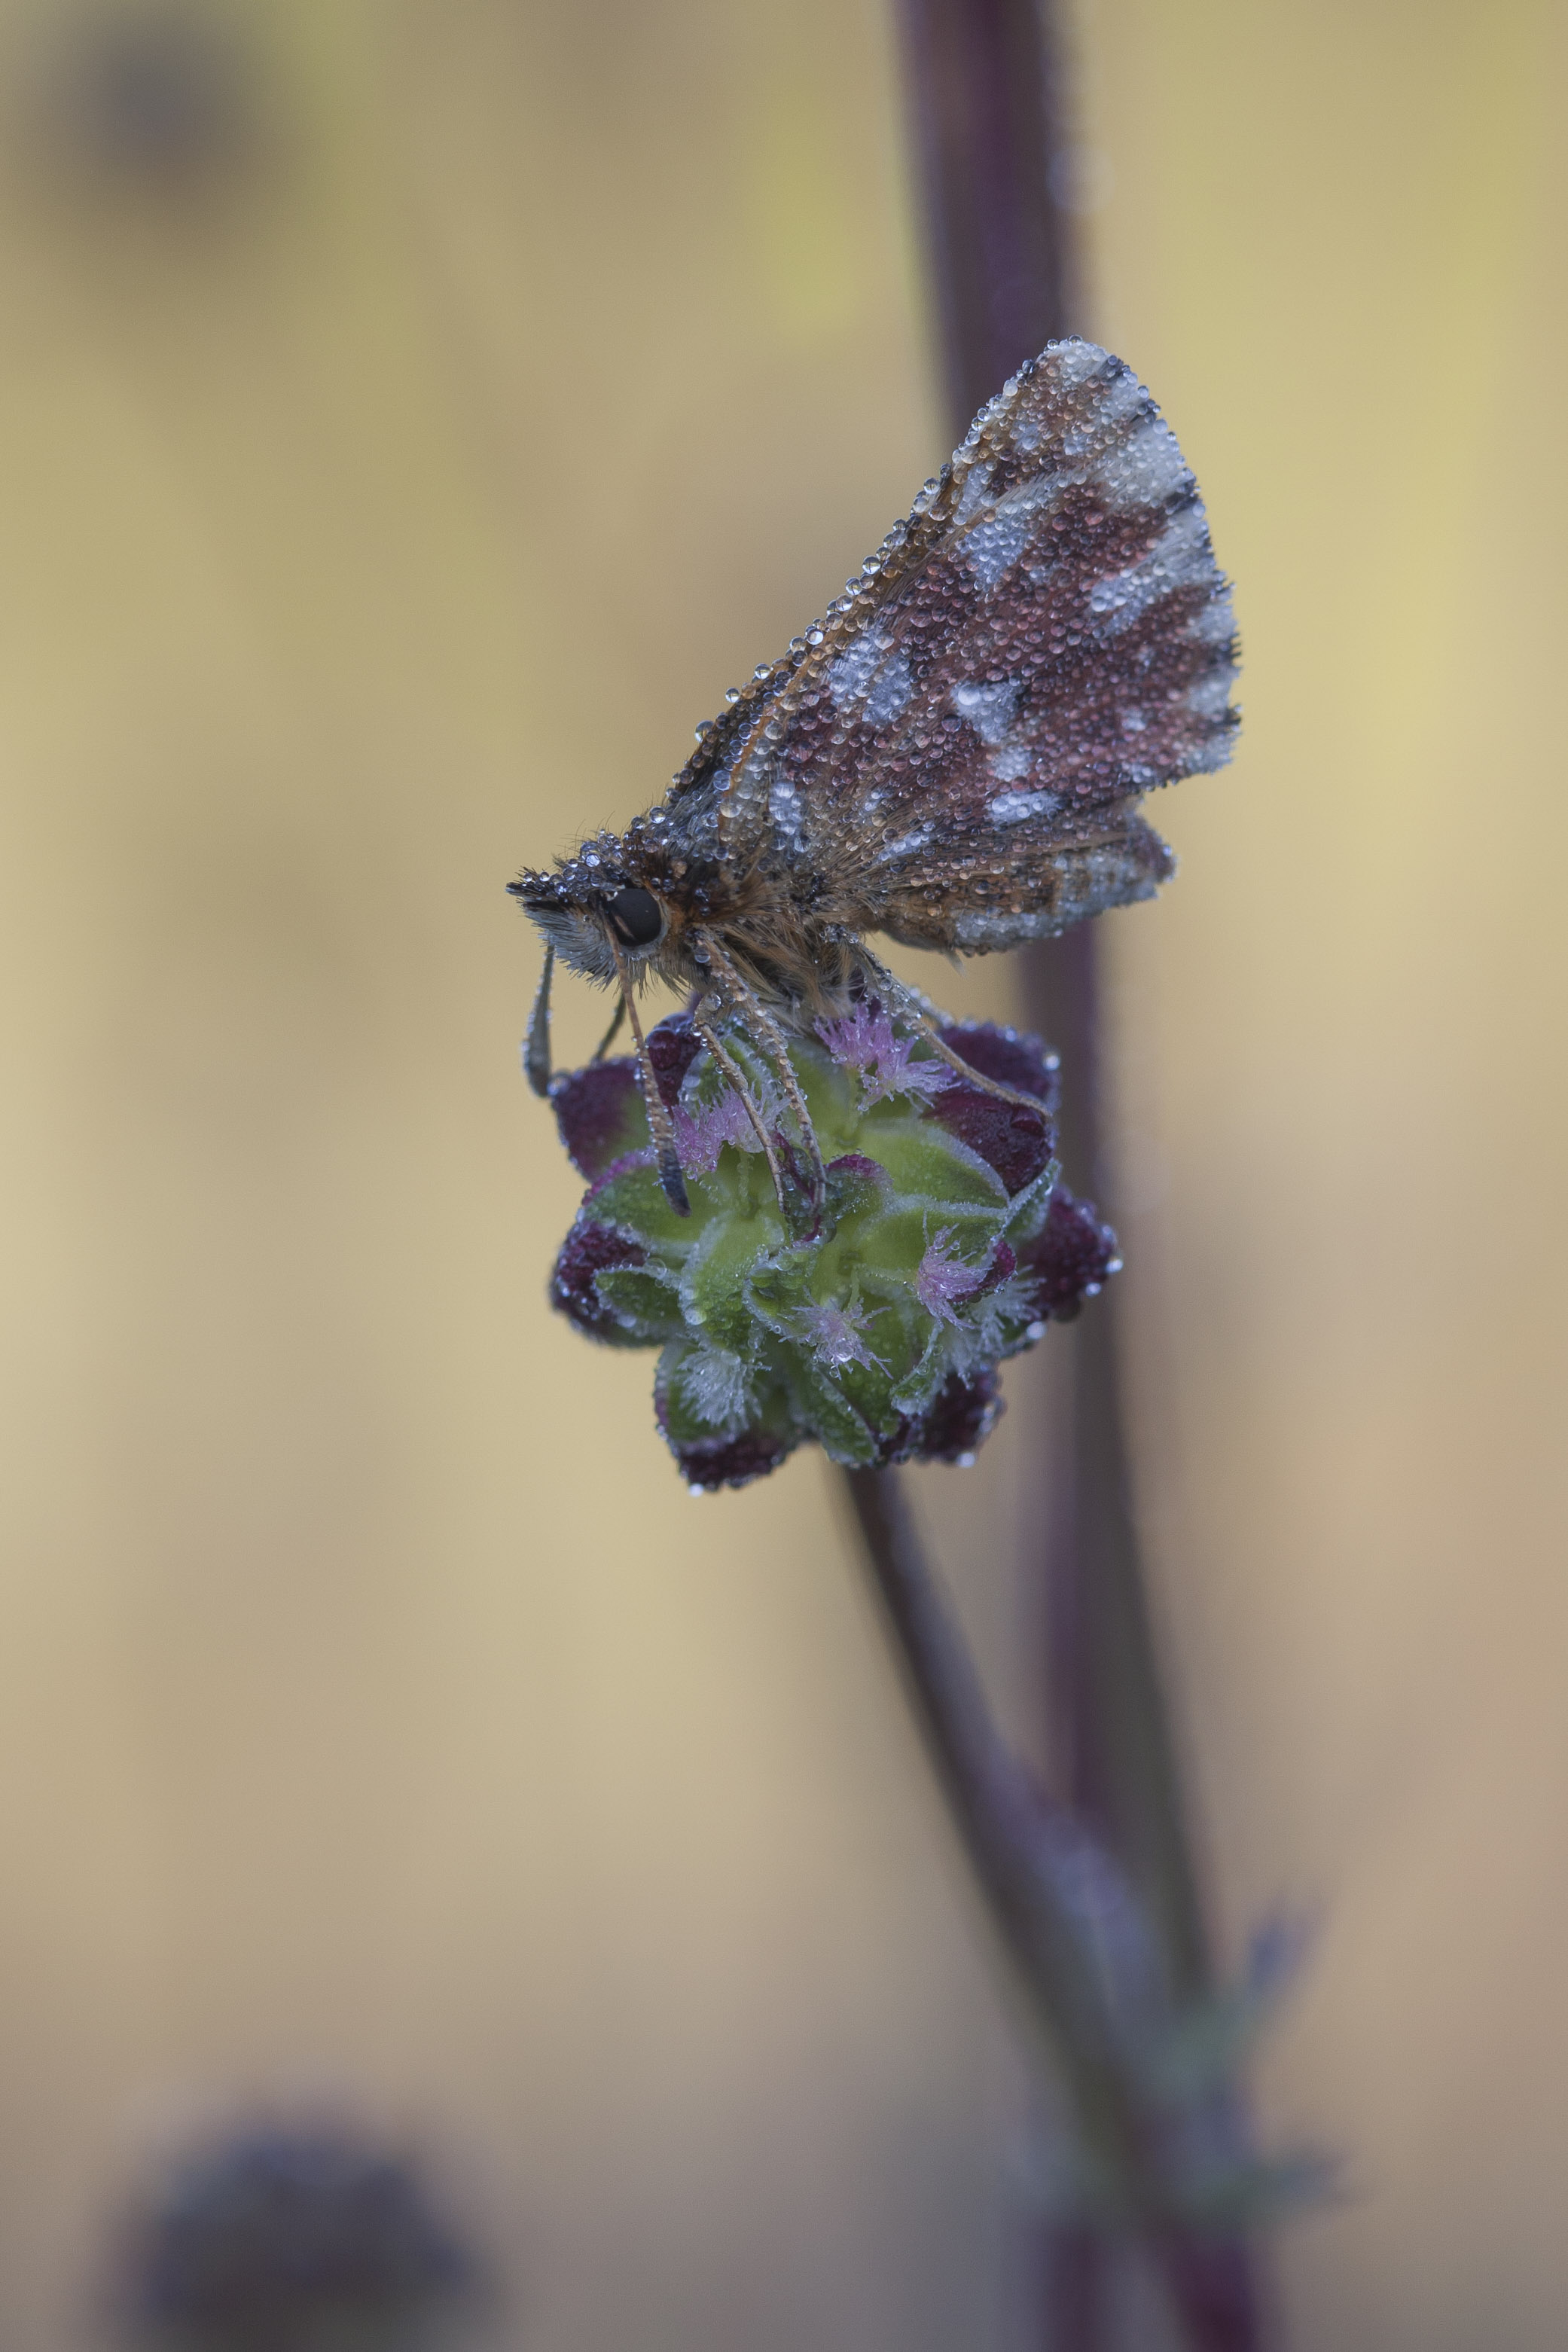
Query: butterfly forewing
<point x="955" y="752"/>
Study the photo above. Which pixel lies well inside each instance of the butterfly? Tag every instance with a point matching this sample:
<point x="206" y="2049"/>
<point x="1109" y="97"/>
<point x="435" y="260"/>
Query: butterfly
<point x="953" y="756"/>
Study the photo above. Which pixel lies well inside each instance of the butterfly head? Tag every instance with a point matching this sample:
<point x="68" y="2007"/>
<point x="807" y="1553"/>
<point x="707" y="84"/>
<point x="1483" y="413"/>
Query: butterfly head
<point x="598" y="917"/>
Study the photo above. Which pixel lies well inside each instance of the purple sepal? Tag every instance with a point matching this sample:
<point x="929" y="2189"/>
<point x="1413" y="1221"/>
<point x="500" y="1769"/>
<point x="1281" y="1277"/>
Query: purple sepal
<point x="854" y="1182"/>
<point x="599" y="1109"/>
<point x="672" y="1048"/>
<point x="600" y="1114"/>
<point x="1014" y="1141"/>
<point x="954" y="1425"/>
<point x="1002" y="1264"/>
<point x="717" y="1461"/>
<point x="1013" y="1057"/>
<point x="1070" y="1258"/>
<point x="1018" y="1143"/>
<point x="588" y="1249"/>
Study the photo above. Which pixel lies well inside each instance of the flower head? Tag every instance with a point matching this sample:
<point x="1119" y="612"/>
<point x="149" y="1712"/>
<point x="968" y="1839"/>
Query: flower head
<point x="943" y="1244"/>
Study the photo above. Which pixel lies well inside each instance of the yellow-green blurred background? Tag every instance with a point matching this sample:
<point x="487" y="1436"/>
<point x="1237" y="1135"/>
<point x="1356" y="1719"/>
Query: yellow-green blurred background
<point x="380" y="1722"/>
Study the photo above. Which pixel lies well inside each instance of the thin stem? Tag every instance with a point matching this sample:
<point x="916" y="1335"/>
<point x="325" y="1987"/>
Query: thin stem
<point x="984" y="110"/>
<point x="1021" y="1847"/>
<point x="1070" y="1924"/>
<point x="986" y="123"/>
<point x="988" y="113"/>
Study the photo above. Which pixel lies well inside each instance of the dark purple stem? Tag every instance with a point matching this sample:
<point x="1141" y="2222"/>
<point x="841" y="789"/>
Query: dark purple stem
<point x="983" y="104"/>
<point x="1028" y="1854"/>
<point x="1032" y="1858"/>
<point x="986" y="111"/>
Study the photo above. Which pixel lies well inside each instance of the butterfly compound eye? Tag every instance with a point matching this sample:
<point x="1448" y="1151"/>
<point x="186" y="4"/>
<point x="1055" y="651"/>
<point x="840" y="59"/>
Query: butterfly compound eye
<point x="633" y="916"/>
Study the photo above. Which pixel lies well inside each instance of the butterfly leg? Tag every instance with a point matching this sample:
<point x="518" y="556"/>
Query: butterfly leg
<point x="661" y="1127"/>
<point x="536" y="1045"/>
<point x="613" y="1032"/>
<point x="737" y="1077"/>
<point x="914" y="1001"/>
<point x="745" y="998"/>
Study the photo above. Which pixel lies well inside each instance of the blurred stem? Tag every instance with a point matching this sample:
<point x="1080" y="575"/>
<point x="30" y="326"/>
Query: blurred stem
<point x="986" y="104"/>
<point x="1034" y="1863"/>
<point x="1112" y="1745"/>
<point x="986" y="107"/>
<point x="1004" y="1823"/>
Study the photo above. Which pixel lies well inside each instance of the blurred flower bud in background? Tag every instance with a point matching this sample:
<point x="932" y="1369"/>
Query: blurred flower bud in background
<point x="278" y="2239"/>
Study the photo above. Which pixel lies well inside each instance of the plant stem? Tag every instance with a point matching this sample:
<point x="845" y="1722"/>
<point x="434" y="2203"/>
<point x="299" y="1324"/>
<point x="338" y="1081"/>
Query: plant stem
<point x="1024" y="1850"/>
<point x="983" y="106"/>
<point x="1076" y="1963"/>
<point x="987" y="117"/>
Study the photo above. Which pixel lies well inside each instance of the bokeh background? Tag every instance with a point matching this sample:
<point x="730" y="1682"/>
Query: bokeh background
<point x="407" y="431"/>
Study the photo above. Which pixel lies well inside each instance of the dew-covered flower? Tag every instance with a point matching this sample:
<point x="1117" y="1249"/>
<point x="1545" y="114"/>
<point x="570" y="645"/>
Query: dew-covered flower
<point x="944" y="1244"/>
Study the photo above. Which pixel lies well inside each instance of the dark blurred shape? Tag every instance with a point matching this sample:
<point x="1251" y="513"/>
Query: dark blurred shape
<point x="162" y="99"/>
<point x="303" y="2240"/>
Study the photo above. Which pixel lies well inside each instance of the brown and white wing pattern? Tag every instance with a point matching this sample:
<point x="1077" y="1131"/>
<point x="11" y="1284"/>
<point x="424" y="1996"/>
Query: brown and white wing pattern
<point x="954" y="754"/>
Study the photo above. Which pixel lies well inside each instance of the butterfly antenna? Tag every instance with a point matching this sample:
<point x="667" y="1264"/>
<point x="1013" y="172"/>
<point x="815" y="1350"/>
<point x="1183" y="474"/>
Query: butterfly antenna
<point x="737" y="1077"/>
<point x="536" y="1046"/>
<point x="745" y="998"/>
<point x="661" y="1127"/>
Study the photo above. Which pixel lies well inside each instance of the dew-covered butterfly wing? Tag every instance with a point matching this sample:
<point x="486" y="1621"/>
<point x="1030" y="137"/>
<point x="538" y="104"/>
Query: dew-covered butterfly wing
<point x="955" y="754"/>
